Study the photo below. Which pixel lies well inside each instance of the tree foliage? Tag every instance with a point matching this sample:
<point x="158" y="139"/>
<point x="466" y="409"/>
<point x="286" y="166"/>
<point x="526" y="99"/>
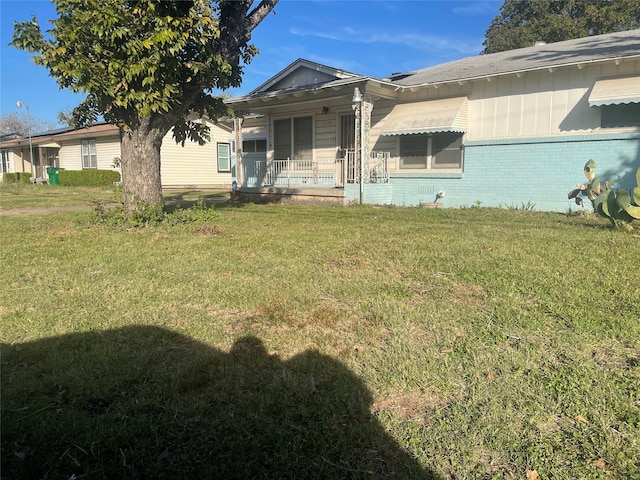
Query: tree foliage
<point x="147" y="66"/>
<point x="521" y="23"/>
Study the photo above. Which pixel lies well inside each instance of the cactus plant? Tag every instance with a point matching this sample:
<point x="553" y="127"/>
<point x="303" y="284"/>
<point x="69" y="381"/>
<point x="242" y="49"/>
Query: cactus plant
<point x="620" y="207"/>
<point x="592" y="190"/>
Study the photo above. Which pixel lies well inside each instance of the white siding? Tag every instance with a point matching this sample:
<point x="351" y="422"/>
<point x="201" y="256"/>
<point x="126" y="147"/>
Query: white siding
<point x="107" y="148"/>
<point x="326" y="142"/>
<point x="302" y="76"/>
<point x="194" y="165"/>
<point x="70" y="155"/>
<point x="540" y="103"/>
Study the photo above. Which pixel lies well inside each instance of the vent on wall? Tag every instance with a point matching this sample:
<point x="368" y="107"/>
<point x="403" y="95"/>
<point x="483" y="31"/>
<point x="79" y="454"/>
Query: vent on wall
<point x="427" y="190"/>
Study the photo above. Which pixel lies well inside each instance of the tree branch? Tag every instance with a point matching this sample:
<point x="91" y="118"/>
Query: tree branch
<point x="264" y="8"/>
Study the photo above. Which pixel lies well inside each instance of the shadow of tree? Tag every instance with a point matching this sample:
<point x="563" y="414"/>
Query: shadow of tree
<point x="146" y="402"/>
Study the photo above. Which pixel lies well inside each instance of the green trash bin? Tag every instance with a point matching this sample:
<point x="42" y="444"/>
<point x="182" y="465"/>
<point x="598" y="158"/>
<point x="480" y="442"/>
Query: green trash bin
<point x="53" y="175"/>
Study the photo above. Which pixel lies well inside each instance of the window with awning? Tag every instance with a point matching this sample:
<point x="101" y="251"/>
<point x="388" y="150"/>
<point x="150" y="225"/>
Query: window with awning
<point x="433" y="116"/>
<point x="619" y="101"/>
<point x="430" y="134"/>
<point x="615" y="91"/>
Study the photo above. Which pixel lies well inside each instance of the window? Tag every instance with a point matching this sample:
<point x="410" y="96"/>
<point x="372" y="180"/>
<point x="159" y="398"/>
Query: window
<point x="224" y="157"/>
<point x="623" y="115"/>
<point x="414" y="150"/>
<point x="254" y="146"/>
<point x="293" y="138"/>
<point x="431" y="151"/>
<point x="52" y="155"/>
<point x="4" y="167"/>
<point x="447" y="150"/>
<point x="89" y="155"/>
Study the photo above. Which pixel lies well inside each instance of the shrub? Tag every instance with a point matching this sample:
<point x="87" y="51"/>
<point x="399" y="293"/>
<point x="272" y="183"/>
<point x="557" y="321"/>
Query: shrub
<point x="88" y="178"/>
<point x="17" y="177"/>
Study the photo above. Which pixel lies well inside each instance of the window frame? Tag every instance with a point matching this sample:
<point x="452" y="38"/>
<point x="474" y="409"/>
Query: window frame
<point x="88" y="157"/>
<point x="618" y="115"/>
<point x="222" y="169"/>
<point x="254" y="145"/>
<point x="52" y="155"/>
<point x="425" y="159"/>
<point x="293" y="142"/>
<point x="5" y="164"/>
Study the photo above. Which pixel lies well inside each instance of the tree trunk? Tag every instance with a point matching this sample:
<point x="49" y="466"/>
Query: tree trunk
<point x="140" y="162"/>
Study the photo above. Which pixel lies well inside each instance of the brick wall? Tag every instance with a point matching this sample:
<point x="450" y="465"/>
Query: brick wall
<point x="525" y="171"/>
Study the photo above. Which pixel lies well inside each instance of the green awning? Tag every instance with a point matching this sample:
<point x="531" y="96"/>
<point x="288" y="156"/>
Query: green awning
<point x="442" y="115"/>
<point x="615" y="91"/>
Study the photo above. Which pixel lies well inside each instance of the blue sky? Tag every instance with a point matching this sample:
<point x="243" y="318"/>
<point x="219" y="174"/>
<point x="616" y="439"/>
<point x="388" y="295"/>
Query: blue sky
<point x="372" y="37"/>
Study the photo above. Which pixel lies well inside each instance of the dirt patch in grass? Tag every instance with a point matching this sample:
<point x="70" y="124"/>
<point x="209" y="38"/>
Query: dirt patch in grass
<point x="609" y="357"/>
<point x="411" y="404"/>
<point x="468" y="294"/>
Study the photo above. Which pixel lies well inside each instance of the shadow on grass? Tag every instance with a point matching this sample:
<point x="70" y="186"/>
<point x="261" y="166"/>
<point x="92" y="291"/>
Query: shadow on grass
<point x="219" y="202"/>
<point x="146" y="402"/>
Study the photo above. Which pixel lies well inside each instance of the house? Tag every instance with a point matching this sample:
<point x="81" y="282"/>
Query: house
<point x="98" y="147"/>
<point x="506" y="129"/>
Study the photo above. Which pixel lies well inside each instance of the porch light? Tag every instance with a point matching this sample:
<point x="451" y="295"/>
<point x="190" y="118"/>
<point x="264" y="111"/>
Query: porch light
<point x="357" y="97"/>
<point x="20" y="104"/>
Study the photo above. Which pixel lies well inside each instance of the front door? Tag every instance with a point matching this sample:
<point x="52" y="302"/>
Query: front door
<point x="347" y="139"/>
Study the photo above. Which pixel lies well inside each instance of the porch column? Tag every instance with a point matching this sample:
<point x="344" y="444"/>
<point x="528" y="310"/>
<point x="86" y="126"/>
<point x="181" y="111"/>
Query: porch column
<point x="357" y="144"/>
<point x="237" y="130"/>
<point x="367" y="107"/>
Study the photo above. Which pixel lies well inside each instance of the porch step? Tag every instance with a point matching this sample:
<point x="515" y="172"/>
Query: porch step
<point x="314" y="196"/>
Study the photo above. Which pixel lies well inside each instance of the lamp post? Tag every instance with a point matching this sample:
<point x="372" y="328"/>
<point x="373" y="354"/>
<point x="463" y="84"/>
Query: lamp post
<point x="20" y="104"/>
<point x="357" y="108"/>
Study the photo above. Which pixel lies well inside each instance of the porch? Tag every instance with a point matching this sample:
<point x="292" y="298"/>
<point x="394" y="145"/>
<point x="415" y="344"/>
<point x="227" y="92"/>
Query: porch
<point x="309" y="174"/>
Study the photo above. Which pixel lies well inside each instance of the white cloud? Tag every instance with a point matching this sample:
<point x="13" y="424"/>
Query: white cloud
<point x="411" y="40"/>
<point x="427" y="42"/>
<point x="317" y="34"/>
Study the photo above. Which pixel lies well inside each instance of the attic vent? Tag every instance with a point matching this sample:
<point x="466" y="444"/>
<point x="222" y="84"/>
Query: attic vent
<point x="398" y="76"/>
<point x="539" y="43"/>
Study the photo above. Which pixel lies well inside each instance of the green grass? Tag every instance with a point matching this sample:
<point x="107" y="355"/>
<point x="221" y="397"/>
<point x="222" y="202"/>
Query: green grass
<point x="321" y="342"/>
<point x="14" y="196"/>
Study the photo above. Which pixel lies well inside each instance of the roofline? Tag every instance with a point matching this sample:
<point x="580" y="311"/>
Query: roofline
<point x="98" y="130"/>
<point x="326" y="86"/>
<point x="382" y="82"/>
<point x="553" y="67"/>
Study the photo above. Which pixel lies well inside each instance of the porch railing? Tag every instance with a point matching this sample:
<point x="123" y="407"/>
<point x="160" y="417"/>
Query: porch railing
<point x="308" y="173"/>
<point x="291" y="172"/>
<point x="376" y="169"/>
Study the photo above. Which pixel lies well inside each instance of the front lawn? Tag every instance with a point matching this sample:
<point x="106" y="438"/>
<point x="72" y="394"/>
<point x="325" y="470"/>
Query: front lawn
<point x="321" y="342"/>
<point x="14" y="196"/>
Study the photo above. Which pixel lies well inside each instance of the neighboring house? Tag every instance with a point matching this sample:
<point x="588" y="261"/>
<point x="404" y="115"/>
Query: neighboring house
<point x="6" y="156"/>
<point x="508" y="129"/>
<point x="97" y="147"/>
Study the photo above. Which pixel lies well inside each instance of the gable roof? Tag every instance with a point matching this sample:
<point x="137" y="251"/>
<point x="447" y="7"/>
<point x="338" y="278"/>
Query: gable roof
<point x="303" y="73"/>
<point x="571" y="52"/>
<point x="301" y="76"/>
